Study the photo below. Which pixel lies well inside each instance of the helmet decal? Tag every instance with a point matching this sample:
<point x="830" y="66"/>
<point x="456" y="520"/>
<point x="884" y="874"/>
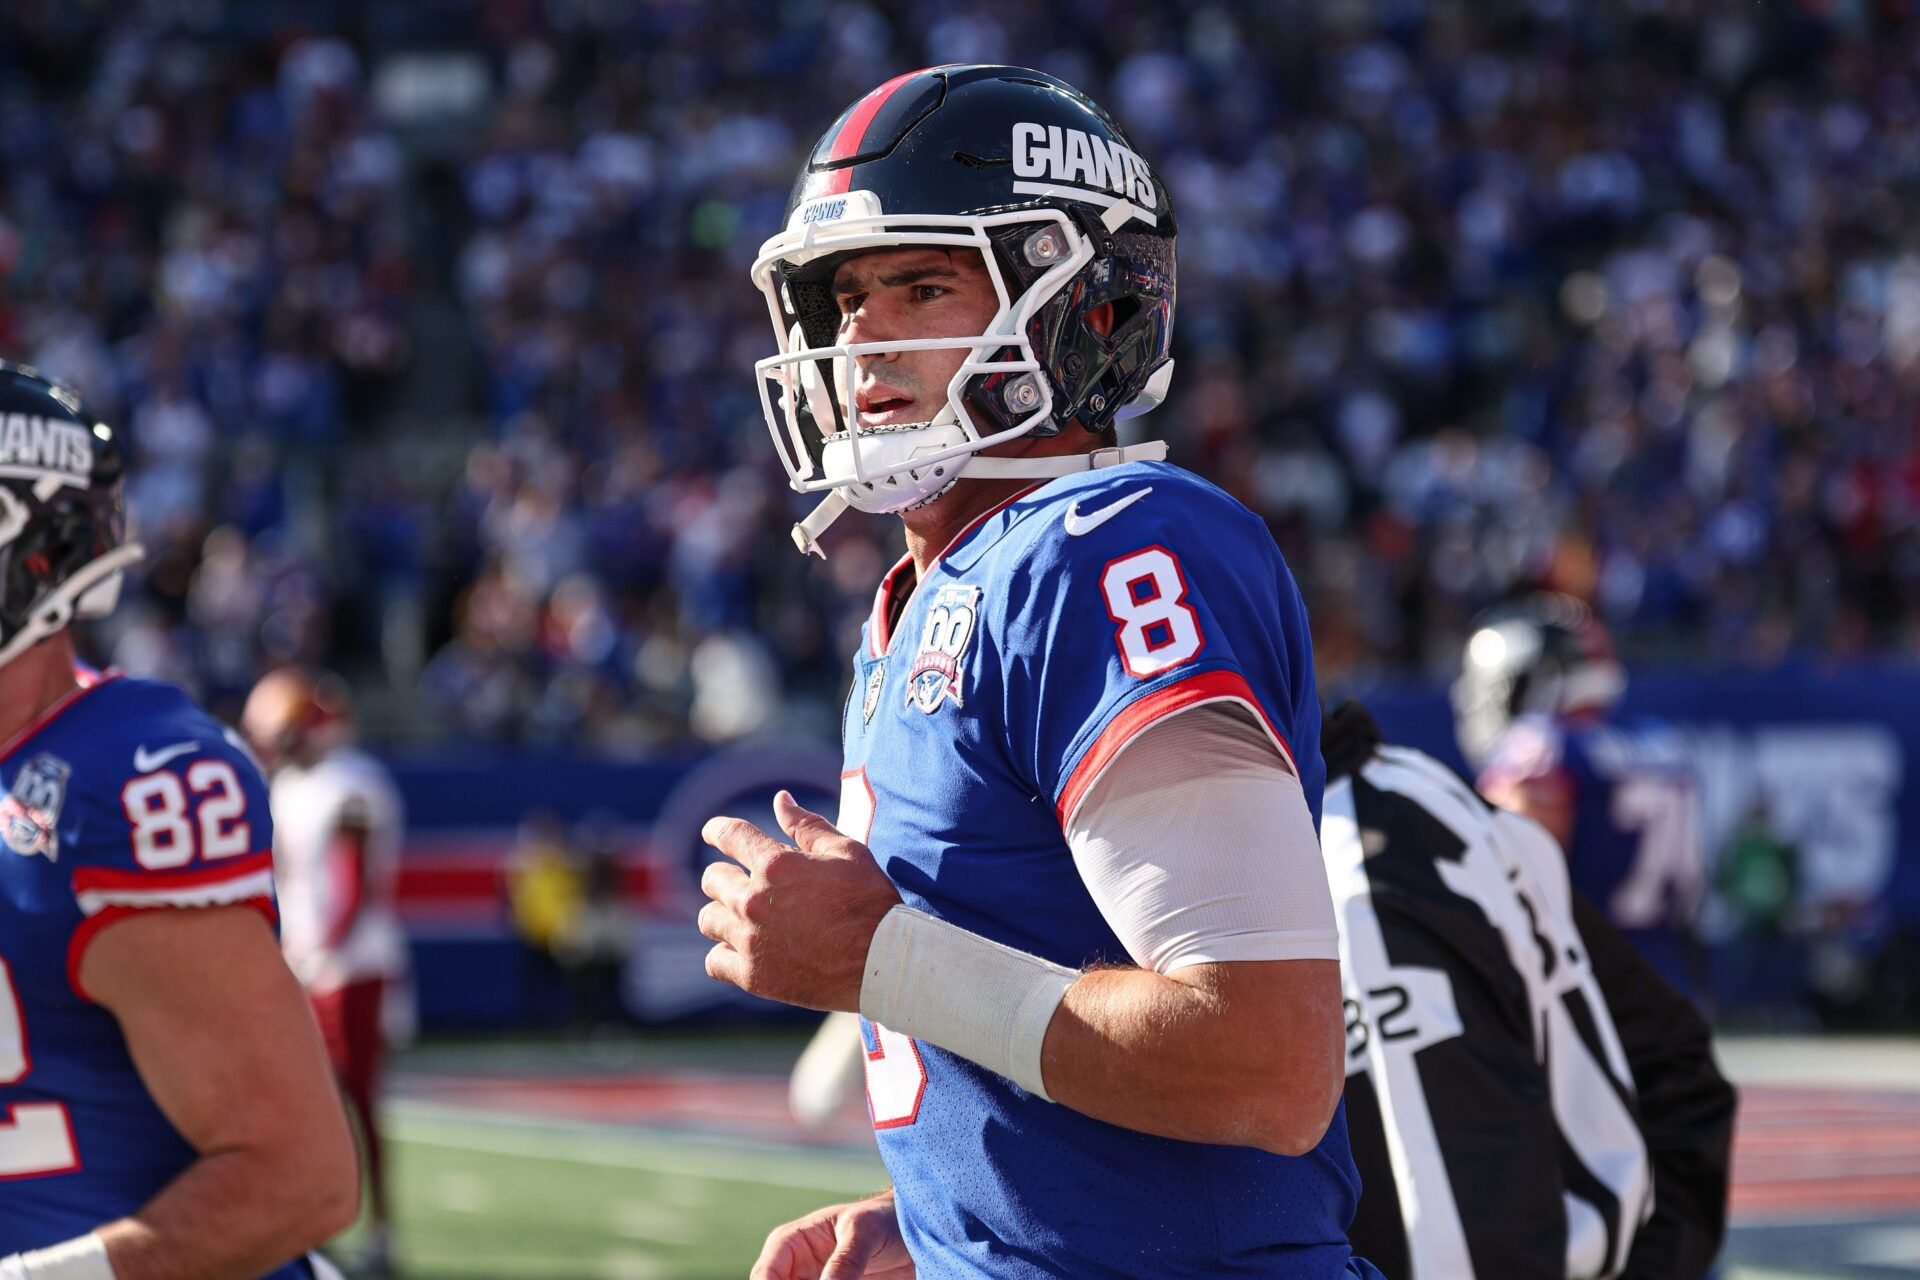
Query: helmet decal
<point x="33" y="447"/>
<point x="849" y="138"/>
<point x="1079" y="160"/>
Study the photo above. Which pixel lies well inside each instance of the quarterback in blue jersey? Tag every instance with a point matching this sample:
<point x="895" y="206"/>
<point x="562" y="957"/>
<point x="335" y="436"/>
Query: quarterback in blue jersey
<point x="166" y="1110"/>
<point x="1074" y="887"/>
<point x="1534" y="703"/>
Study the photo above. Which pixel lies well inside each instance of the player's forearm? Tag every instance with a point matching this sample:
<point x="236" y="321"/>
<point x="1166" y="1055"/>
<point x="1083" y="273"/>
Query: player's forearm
<point x="230" y="1216"/>
<point x="1244" y="1054"/>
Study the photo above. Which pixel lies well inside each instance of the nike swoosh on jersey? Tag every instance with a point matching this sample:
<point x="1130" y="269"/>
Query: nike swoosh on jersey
<point x="1078" y="524"/>
<point x="145" y="761"/>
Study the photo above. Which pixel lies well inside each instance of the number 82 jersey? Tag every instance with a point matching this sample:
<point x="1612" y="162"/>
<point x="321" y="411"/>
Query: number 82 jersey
<point x="123" y="797"/>
<point x="983" y="710"/>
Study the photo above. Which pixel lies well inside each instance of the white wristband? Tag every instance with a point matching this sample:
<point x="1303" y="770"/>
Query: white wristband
<point x="970" y="995"/>
<point x="82" y="1258"/>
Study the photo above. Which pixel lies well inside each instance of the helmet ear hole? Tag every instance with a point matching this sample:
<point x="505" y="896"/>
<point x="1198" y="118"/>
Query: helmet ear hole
<point x="1121" y="312"/>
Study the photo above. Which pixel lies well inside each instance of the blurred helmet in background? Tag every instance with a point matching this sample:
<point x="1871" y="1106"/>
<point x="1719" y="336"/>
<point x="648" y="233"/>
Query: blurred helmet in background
<point x="1546" y="654"/>
<point x="295" y="716"/>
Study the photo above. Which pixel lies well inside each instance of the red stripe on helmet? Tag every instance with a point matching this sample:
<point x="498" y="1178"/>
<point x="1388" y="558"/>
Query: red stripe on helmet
<point x="854" y="132"/>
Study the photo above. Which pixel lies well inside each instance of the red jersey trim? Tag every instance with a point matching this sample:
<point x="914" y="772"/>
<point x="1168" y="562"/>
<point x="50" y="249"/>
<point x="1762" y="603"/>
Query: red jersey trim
<point x="88" y="681"/>
<point x="853" y="133"/>
<point x="91" y="927"/>
<point x="98" y="879"/>
<point x="879" y="627"/>
<point x="1190" y="691"/>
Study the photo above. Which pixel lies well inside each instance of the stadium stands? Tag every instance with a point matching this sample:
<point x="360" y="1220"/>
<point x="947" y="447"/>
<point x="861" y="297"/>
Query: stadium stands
<point x="433" y="337"/>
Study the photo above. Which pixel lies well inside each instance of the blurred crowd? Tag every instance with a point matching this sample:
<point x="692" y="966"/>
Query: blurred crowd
<point x="1476" y="297"/>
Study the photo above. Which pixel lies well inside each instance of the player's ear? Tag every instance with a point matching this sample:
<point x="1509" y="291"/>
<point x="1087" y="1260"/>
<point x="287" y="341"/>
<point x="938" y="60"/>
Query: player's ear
<point x="1100" y="319"/>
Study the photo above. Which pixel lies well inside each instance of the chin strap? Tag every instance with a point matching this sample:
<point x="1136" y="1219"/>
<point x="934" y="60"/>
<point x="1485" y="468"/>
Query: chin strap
<point x="1066" y="464"/>
<point x="62" y="603"/>
<point x="806" y="534"/>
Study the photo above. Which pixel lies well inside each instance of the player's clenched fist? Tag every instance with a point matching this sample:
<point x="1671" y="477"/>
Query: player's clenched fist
<point x="792" y="922"/>
<point x="858" y="1241"/>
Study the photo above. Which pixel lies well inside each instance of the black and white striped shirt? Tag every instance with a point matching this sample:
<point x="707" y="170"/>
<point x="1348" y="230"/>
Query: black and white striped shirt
<point x="1491" y="1104"/>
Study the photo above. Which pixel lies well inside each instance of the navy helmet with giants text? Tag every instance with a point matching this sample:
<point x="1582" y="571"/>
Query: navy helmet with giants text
<point x="62" y="527"/>
<point x="1032" y="174"/>
<point x="1545" y="654"/>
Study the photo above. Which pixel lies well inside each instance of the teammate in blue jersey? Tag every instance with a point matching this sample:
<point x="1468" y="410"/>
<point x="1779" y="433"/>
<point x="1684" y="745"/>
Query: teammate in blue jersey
<point x="1074" y="887"/>
<point x="166" y="1110"/>
<point x="1534" y="706"/>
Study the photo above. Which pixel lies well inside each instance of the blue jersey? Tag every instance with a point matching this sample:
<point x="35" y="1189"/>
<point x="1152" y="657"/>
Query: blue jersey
<point x="1635" y="849"/>
<point x="1048" y="634"/>
<point x="123" y="797"/>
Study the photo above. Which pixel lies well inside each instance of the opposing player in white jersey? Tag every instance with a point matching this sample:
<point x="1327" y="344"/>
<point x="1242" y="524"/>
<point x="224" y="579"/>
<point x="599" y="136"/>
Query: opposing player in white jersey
<point x="340" y="827"/>
<point x="165" y="1106"/>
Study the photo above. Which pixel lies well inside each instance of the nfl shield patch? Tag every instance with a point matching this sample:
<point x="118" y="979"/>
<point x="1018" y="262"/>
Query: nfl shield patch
<point x="938" y="669"/>
<point x="30" y="813"/>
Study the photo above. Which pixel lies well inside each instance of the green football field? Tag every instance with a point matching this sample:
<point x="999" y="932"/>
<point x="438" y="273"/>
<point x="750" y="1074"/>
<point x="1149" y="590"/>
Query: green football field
<point x="478" y="1199"/>
<point x="670" y="1159"/>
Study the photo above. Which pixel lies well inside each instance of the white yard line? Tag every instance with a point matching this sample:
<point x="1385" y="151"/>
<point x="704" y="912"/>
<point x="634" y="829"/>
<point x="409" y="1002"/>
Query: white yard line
<point x="463" y="1193"/>
<point x="1834" y="1062"/>
<point x="656" y="1223"/>
<point x="462" y="1129"/>
<point x="633" y="1266"/>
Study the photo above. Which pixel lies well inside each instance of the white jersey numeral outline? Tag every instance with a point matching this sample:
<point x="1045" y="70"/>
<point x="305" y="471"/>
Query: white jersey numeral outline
<point x="163" y="836"/>
<point x="1667" y="879"/>
<point x="896" y="1074"/>
<point x="1146" y="596"/>
<point x="36" y="1138"/>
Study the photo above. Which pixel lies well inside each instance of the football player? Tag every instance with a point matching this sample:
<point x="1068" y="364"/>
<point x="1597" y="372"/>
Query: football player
<point x="339" y="824"/>
<point x="165" y="1107"/>
<point x="1534" y="710"/>
<point x="1074" y="888"/>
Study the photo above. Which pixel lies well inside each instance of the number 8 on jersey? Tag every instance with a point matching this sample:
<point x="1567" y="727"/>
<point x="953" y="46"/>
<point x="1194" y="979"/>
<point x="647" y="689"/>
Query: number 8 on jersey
<point x="1146" y="594"/>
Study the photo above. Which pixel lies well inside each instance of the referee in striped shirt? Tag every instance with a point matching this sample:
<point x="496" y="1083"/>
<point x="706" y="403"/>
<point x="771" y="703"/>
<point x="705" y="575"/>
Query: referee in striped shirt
<point x="1526" y="1098"/>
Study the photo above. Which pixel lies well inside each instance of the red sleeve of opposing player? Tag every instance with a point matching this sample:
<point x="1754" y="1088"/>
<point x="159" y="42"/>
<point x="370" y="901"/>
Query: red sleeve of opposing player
<point x="347" y="868"/>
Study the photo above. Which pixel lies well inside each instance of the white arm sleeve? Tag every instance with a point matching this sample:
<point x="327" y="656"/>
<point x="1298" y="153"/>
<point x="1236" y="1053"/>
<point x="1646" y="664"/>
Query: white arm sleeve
<point x="1198" y="847"/>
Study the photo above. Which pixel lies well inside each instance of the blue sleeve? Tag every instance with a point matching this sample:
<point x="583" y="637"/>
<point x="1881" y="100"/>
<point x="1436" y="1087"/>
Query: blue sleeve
<point x="192" y="828"/>
<point x="1180" y="600"/>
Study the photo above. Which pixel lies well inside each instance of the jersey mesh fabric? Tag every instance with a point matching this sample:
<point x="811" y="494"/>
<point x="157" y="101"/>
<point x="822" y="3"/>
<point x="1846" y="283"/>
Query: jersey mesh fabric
<point x="1027" y="658"/>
